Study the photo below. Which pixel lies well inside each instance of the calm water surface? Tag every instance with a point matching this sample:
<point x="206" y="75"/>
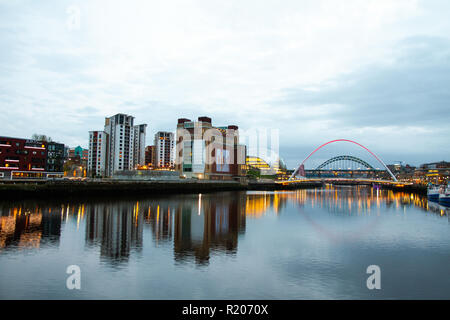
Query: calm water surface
<point x="306" y="244"/>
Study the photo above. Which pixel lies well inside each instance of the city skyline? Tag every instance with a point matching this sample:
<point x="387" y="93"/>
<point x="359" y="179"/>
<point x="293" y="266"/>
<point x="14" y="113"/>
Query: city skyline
<point x="376" y="73"/>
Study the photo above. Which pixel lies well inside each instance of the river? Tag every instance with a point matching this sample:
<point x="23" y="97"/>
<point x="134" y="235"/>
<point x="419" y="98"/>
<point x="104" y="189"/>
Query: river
<point x="304" y="244"/>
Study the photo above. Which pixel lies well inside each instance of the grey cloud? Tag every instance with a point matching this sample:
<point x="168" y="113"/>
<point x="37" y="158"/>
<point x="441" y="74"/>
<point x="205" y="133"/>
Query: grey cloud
<point x="87" y="110"/>
<point x="411" y="91"/>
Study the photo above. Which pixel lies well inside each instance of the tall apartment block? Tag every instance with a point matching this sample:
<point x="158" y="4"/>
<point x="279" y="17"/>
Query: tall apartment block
<point x="125" y="145"/>
<point x="164" y="150"/>
<point x="139" y="145"/>
<point x="207" y="152"/>
<point x="121" y="143"/>
<point x="98" y="152"/>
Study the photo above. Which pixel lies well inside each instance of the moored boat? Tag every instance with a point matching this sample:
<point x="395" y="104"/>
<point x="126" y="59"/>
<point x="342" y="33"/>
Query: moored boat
<point x="444" y="196"/>
<point x="433" y="193"/>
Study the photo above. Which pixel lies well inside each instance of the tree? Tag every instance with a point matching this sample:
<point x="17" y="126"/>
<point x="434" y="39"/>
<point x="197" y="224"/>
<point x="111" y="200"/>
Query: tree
<point x="253" y="173"/>
<point x="41" y="137"/>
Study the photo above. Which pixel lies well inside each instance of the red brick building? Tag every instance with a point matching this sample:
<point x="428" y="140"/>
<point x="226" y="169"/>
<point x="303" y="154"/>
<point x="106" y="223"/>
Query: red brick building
<point x="23" y="157"/>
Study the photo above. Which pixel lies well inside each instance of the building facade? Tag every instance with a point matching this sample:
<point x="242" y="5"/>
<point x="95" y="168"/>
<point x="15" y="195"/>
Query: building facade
<point x="98" y="154"/>
<point x="122" y="146"/>
<point x="126" y="143"/>
<point x="27" y="158"/>
<point x="80" y="152"/>
<point x="55" y="157"/>
<point x="120" y="130"/>
<point x="139" y="145"/>
<point x="149" y="156"/>
<point x="436" y="172"/>
<point x="164" y="150"/>
<point x="207" y="152"/>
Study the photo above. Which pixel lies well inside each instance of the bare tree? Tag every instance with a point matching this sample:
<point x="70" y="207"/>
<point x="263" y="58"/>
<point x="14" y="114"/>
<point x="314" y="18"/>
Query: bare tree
<point x="41" y="137"/>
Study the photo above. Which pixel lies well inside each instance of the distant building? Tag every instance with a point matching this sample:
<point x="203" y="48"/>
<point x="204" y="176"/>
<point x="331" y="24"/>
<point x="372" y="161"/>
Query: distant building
<point x="436" y="165"/>
<point x="66" y="152"/>
<point x="263" y="168"/>
<point x="139" y="145"/>
<point x="98" y="153"/>
<point x="82" y="153"/>
<point x="164" y="150"/>
<point x="435" y="172"/>
<point x="260" y="165"/>
<point x="207" y="152"/>
<point x="149" y="156"/>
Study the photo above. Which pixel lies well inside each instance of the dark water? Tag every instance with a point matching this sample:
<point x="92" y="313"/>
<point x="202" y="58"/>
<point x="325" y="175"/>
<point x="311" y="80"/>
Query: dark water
<point x="306" y="244"/>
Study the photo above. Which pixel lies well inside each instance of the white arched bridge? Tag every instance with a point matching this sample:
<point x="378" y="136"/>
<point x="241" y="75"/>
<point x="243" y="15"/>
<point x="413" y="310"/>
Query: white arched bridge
<point x="352" y="168"/>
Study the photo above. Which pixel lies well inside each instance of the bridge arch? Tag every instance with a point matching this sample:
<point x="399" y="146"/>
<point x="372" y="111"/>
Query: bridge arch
<point x="345" y="158"/>
<point x="342" y="140"/>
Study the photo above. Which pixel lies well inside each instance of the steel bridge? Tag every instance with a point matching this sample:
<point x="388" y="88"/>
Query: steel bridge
<point x="345" y="163"/>
<point x="345" y="166"/>
<point x="352" y="167"/>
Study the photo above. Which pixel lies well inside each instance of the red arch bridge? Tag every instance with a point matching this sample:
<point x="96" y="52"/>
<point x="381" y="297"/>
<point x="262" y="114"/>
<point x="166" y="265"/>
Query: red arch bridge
<point x="344" y="169"/>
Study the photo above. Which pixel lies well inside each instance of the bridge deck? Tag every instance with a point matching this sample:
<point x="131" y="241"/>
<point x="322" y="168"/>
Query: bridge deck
<point x="357" y="180"/>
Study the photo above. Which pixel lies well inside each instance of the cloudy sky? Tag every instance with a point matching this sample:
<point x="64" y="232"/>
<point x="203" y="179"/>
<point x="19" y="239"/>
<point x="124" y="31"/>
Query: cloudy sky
<point x="375" y="71"/>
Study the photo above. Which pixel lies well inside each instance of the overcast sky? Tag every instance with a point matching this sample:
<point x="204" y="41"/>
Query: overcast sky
<point x="375" y="71"/>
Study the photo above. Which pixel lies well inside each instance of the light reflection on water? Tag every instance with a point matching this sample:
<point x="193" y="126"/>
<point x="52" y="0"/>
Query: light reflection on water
<point x="294" y="244"/>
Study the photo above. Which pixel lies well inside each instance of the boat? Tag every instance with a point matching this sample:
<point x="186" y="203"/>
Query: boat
<point x="433" y="192"/>
<point x="444" y="196"/>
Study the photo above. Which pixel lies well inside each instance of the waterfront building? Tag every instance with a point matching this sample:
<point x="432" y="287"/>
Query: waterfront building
<point x="80" y="152"/>
<point x="204" y="151"/>
<point x="149" y="156"/>
<point x="55" y="157"/>
<point x="164" y="150"/>
<point x="435" y="172"/>
<point x="120" y="130"/>
<point x="125" y="143"/>
<point x="259" y="165"/>
<point x="28" y="158"/>
<point x="66" y="152"/>
<point x="121" y="144"/>
<point x="98" y="153"/>
<point x="139" y="145"/>
<point x="277" y="169"/>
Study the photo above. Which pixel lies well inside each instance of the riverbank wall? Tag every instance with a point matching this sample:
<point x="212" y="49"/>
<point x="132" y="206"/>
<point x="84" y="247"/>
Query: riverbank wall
<point x="414" y="188"/>
<point x="56" y="189"/>
<point x="111" y="189"/>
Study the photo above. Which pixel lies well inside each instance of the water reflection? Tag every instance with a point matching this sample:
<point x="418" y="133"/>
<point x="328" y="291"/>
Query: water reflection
<point x="115" y="228"/>
<point x="212" y="224"/>
<point x="23" y="227"/>
<point x="198" y="226"/>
